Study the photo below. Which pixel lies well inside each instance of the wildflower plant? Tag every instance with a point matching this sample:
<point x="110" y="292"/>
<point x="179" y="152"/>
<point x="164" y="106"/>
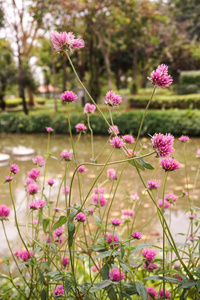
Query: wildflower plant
<point x="61" y="255"/>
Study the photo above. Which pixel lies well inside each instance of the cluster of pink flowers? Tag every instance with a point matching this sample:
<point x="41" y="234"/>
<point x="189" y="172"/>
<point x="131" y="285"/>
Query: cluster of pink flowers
<point x="112" y="239"/>
<point x="89" y="108"/>
<point x="165" y="295"/>
<point x="24" y="255"/>
<point x="32" y="189"/>
<point x="153" y="184"/>
<point x="116" y="222"/>
<point x="116" y="275"/>
<point x="39" y="204"/>
<point x="166" y="203"/>
<point x="163" y="144"/>
<point x="113" y="130"/>
<point x="99" y="199"/>
<point x="4" y="212"/>
<point x="59" y="290"/>
<point x="112" y="99"/>
<point x="39" y="161"/>
<point x="9" y="178"/>
<point x="68" y="96"/>
<point x="34" y="174"/>
<point x="111" y="174"/>
<point x="150" y="266"/>
<point x="14" y="169"/>
<point x="116" y="142"/>
<point x="171" y="198"/>
<point x="129" y="139"/>
<point x="67" y="190"/>
<point x="99" y="191"/>
<point x="160" y="77"/>
<point x="50" y="182"/>
<point x="49" y="129"/>
<point x="66" y="156"/>
<point x="81" y="217"/>
<point x="127" y="213"/>
<point x="149" y="254"/>
<point x="137" y="235"/>
<point x="169" y="164"/>
<point x="65" y="41"/>
<point x="184" y="139"/>
<point x="95" y="268"/>
<point x="82" y="169"/>
<point x="65" y="261"/>
<point x="80" y="127"/>
<point x="152" y="294"/>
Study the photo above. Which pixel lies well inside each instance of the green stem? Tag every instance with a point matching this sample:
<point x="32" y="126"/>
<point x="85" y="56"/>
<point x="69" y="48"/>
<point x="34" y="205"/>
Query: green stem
<point x="91" y="133"/>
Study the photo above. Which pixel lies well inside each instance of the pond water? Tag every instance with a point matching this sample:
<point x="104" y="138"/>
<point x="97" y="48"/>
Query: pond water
<point x="130" y="183"/>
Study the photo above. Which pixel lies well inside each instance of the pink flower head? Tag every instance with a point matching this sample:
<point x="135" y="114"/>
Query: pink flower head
<point x="4" y="212"/>
<point x="65" y="261"/>
<point x="59" y="290"/>
<point x="191" y="239"/>
<point x="50" y="182"/>
<point x="111" y="174"/>
<point x="191" y="217"/>
<point x="116" y="222"/>
<point x="198" y="153"/>
<point x="112" y="99"/>
<point x="24" y="255"/>
<point x="35" y="222"/>
<point x="153" y="184"/>
<point x="82" y="169"/>
<point x="149" y="254"/>
<point x="9" y="178"/>
<point x="116" y="142"/>
<point x="163" y="144"/>
<point x="184" y="139"/>
<point x="81" y="217"/>
<point x="91" y="210"/>
<point x="66" y="156"/>
<point x="65" y="41"/>
<point x="39" y="161"/>
<point x="34" y="205"/>
<point x="134" y="196"/>
<point x="127" y="213"/>
<point x="166" y="203"/>
<point x="80" y="127"/>
<point x="68" y="96"/>
<point x="177" y="276"/>
<point x="166" y="296"/>
<point x="59" y="231"/>
<point x="169" y="164"/>
<point x="184" y="193"/>
<point x="99" y="191"/>
<point x="89" y="108"/>
<point x="130" y="153"/>
<point x="95" y="268"/>
<point x="171" y="198"/>
<point x="41" y="203"/>
<point x="160" y="77"/>
<point x="150" y="267"/>
<point x="99" y="199"/>
<point x="32" y="189"/>
<point x="112" y="239"/>
<point x="14" y="169"/>
<point x="48" y="239"/>
<point x="58" y="239"/>
<point x="33" y="174"/>
<point x="67" y="190"/>
<point x="137" y="235"/>
<point x="29" y="181"/>
<point x="113" y="130"/>
<point x="116" y="275"/>
<point x="49" y="129"/>
<point x="152" y="294"/>
<point x="127" y="138"/>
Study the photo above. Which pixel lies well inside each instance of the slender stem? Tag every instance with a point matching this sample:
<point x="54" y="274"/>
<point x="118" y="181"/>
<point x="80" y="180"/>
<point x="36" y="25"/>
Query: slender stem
<point x="70" y="130"/>
<point x="45" y="167"/>
<point x="186" y="173"/>
<point x="91" y="133"/>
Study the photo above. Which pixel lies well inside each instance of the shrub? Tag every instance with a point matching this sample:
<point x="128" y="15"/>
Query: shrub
<point x="189" y="82"/>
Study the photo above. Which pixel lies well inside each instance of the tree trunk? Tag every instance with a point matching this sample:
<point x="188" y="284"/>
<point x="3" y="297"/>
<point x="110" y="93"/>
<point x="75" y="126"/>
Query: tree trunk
<point x="31" y="98"/>
<point x="135" y="54"/>
<point x="108" y="69"/>
<point x="2" y="103"/>
<point x="64" y="73"/>
<point x="117" y="78"/>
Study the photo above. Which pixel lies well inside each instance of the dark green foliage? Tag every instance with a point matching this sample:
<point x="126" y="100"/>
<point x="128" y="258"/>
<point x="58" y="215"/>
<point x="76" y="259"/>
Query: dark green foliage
<point x="177" y="122"/>
<point x="189" y="82"/>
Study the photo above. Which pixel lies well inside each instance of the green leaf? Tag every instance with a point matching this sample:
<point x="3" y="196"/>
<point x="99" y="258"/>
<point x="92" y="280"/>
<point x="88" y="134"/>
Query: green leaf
<point x="97" y="219"/>
<point x="105" y="272"/>
<point x="141" y="290"/>
<point x="45" y="224"/>
<point x="67" y="285"/>
<point x="174" y="280"/>
<point x="145" y="164"/>
<point x="43" y="295"/>
<point x="126" y="268"/>
<point x="107" y="253"/>
<point x="136" y="163"/>
<point x="62" y="220"/>
<point x="187" y="285"/>
<point x="41" y="276"/>
<point x="72" y="215"/>
<point x="111" y="293"/>
<point x="100" y="286"/>
<point x="71" y="231"/>
<point x="130" y="288"/>
<point x="198" y="285"/>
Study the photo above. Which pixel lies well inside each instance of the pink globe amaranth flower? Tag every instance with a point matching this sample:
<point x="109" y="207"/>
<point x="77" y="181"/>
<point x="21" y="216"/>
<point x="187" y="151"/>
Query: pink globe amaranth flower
<point x="48" y="239"/>
<point x="198" y="153"/>
<point x="128" y="213"/>
<point x="166" y="203"/>
<point x="112" y="99"/>
<point x="99" y="191"/>
<point x="35" y="222"/>
<point x="58" y="239"/>
<point x="184" y="139"/>
<point x="59" y="290"/>
<point x="152" y="294"/>
<point x="49" y="129"/>
<point x="41" y="203"/>
<point x="29" y="181"/>
<point x="50" y="182"/>
<point x="80" y="127"/>
<point x="191" y="239"/>
<point x="9" y="178"/>
<point x="95" y="268"/>
<point x="134" y="196"/>
<point x="58" y="231"/>
<point x="33" y="174"/>
<point x="68" y="96"/>
<point x="65" y="41"/>
<point x="112" y="239"/>
<point x="91" y="210"/>
<point x="32" y="189"/>
<point x="137" y="235"/>
<point x="160" y="77"/>
<point x="4" y="212"/>
<point x="116" y="275"/>
<point x="184" y="193"/>
<point x="150" y="267"/>
<point x="89" y="108"/>
<point x="149" y="254"/>
<point x="67" y="190"/>
<point x="82" y="169"/>
<point x="167" y="294"/>
<point x="171" y="198"/>
<point x="66" y="156"/>
<point x="116" y="222"/>
<point x="24" y="255"/>
<point x="113" y="130"/>
<point x="177" y="276"/>
<point x="14" y="169"/>
<point x="99" y="199"/>
<point x="163" y="144"/>
<point x="129" y="139"/>
<point x="116" y="142"/>
<point x="130" y="153"/>
<point x="111" y="174"/>
<point x="65" y="261"/>
<point x="191" y="217"/>
<point x="39" y="161"/>
<point x="81" y="217"/>
<point x="153" y="184"/>
<point x="34" y="205"/>
<point x="169" y="164"/>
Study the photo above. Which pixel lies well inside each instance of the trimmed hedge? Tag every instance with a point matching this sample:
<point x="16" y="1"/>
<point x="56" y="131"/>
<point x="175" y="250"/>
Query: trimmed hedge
<point x="18" y="101"/>
<point x="177" y="122"/>
<point x="189" y="82"/>
<point x="167" y="102"/>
